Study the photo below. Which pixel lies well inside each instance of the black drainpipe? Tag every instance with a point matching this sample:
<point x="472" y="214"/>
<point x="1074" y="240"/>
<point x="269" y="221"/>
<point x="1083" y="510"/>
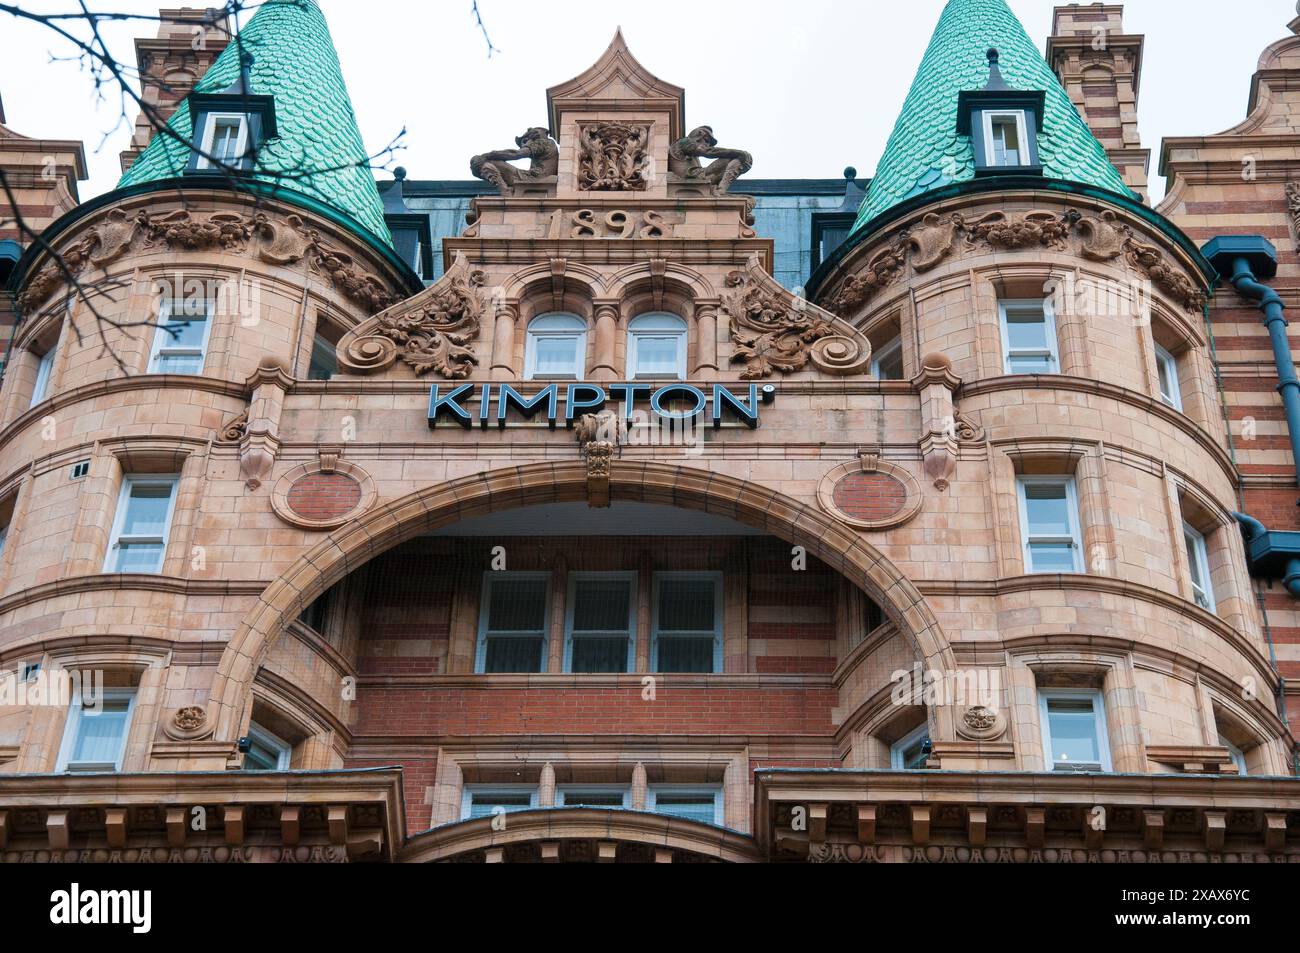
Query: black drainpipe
<point x="1247" y="258"/>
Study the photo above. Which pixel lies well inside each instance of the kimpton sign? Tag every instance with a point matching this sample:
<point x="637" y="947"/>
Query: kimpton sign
<point x="668" y="402"/>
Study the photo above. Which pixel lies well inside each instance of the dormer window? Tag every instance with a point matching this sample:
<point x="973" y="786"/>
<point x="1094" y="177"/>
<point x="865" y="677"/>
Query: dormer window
<point x="1003" y="125"/>
<point x="230" y="126"/>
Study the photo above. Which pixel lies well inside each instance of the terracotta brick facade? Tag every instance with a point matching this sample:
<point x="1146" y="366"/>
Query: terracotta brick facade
<point x="325" y="569"/>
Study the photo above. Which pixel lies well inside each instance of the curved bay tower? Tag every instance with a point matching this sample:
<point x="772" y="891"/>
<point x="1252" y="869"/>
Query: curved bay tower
<point x="617" y="506"/>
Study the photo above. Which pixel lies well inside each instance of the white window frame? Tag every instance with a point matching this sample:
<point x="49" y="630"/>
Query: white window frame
<point x="538" y="331"/>
<point x="892" y="348"/>
<point x="562" y="794"/>
<point x="119" y="519"/>
<point x="571" y="604"/>
<point x="469" y="790"/>
<point x="1166" y="361"/>
<point x="1099" y="719"/>
<point x="1053" y="349"/>
<point x="1199" y="565"/>
<point x="485" y="610"/>
<point x="990" y="154"/>
<point x="163" y="342"/>
<point x="1075" y="538"/>
<point x="209" y="140"/>
<point x="44" y="370"/>
<point x="633" y="346"/>
<point x="679" y="790"/>
<point x="283" y="750"/>
<point x="1238" y="755"/>
<point x="73" y="722"/>
<point x="897" y="749"/>
<point x="718" y="595"/>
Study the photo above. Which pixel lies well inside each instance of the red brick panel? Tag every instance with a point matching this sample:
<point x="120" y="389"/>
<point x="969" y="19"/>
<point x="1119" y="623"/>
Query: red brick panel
<point x="870" y="496"/>
<point x="324" y="496"/>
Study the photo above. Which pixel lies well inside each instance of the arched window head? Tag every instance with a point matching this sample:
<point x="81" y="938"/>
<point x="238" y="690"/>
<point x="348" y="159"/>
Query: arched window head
<point x="656" y="347"/>
<point x="556" y="349"/>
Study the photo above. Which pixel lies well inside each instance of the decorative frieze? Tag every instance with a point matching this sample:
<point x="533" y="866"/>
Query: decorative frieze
<point x="274" y="239"/>
<point x="932" y="240"/>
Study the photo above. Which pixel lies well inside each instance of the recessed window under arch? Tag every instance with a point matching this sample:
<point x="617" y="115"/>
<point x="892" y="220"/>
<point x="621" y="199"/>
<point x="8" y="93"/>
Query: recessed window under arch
<point x="556" y="348"/>
<point x="656" y="347"/>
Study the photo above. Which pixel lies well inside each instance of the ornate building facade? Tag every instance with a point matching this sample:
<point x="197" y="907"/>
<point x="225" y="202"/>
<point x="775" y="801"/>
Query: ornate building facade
<point x="571" y="532"/>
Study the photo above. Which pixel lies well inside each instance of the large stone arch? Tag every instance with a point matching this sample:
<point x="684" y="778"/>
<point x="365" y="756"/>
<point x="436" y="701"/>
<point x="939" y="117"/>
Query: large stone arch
<point x="381" y="529"/>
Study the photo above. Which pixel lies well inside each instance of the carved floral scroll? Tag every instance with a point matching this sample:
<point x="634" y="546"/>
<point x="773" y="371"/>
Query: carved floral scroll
<point x="930" y="241"/>
<point x="274" y="239"/>
<point x="773" y="330"/>
<point x="432" y="332"/>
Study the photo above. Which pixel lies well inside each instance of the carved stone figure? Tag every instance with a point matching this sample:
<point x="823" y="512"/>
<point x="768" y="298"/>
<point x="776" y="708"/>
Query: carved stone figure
<point x="536" y="145"/>
<point x="729" y="164"/>
<point x="615" y="157"/>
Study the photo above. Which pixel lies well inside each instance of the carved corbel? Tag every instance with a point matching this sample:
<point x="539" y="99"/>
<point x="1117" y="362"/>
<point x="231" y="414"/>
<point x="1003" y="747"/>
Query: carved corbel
<point x="261" y="442"/>
<point x="939" y="446"/>
<point x="433" y="331"/>
<point x="773" y="330"/>
<point x="598" y="436"/>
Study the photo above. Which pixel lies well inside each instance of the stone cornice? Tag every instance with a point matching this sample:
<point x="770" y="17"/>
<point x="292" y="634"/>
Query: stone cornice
<point x="733" y="252"/>
<point x="1106" y="584"/>
<point x="992" y="385"/>
<point x="629" y="682"/>
<point x="550" y="824"/>
<point x="117" y="385"/>
<point x="136" y="583"/>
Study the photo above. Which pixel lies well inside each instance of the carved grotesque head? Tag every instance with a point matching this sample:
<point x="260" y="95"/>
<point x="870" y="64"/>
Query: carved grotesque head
<point x="704" y="136"/>
<point x="532" y="135"/>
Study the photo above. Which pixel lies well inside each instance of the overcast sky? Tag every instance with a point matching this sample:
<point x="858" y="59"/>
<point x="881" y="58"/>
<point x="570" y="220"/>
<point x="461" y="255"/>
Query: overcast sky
<point x="809" y="86"/>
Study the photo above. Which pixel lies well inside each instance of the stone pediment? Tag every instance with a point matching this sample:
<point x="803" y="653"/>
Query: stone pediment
<point x="617" y="83"/>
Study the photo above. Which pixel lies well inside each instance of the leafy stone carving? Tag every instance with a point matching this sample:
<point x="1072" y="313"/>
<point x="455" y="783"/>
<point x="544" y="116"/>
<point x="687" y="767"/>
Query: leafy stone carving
<point x="283" y="240"/>
<point x="1100" y="237"/>
<point x="614" y="157"/>
<point x="434" y="331"/>
<point x="1027" y="230"/>
<point x="772" y="330"/>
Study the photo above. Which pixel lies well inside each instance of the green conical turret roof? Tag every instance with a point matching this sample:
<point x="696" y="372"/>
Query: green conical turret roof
<point x="925" y="152"/>
<point x="319" y="151"/>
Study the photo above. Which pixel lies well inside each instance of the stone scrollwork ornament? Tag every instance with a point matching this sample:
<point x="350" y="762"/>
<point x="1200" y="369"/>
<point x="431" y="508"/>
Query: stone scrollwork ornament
<point x="773" y="330"/>
<point x="432" y="332"/>
<point x="615" y="157"/>
<point x="188" y="724"/>
<point x="982" y="723"/>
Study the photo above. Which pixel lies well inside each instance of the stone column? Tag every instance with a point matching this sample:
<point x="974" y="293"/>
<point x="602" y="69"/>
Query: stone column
<point x="546" y="787"/>
<point x="640" y="787"/>
<point x="705" y="365"/>
<point x="605" y="368"/>
<point x="503" y="342"/>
